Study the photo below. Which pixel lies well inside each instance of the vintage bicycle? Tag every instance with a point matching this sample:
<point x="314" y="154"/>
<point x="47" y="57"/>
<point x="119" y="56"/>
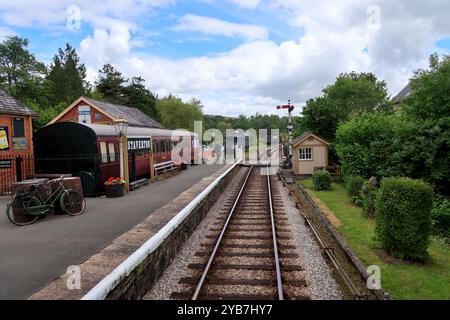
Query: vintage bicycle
<point x="26" y="208"/>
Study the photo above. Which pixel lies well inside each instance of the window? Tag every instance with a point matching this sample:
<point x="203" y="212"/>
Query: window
<point x="103" y="152"/>
<point x="162" y="146"/>
<point x="112" y="152"/>
<point x="305" y="154"/>
<point x="19" y="128"/>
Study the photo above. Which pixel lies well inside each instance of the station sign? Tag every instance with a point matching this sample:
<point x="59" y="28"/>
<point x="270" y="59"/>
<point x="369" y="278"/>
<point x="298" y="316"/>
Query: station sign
<point x="5" y="163"/>
<point x="139" y="144"/>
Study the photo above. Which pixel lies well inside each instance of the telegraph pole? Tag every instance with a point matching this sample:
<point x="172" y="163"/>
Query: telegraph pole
<point x="290" y="127"/>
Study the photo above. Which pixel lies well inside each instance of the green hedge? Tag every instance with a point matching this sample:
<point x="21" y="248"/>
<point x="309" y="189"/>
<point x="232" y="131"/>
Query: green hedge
<point x="321" y="180"/>
<point x="440" y="215"/>
<point x="403" y="217"/>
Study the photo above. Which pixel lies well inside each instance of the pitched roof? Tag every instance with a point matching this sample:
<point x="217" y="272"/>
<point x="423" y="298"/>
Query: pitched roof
<point x="406" y="91"/>
<point x="305" y="135"/>
<point x="134" y="116"/>
<point x="9" y="105"/>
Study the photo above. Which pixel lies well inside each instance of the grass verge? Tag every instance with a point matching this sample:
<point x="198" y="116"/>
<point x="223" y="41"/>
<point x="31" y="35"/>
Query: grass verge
<point x="404" y="280"/>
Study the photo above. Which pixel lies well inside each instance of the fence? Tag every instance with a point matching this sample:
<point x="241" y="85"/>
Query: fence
<point x="14" y="168"/>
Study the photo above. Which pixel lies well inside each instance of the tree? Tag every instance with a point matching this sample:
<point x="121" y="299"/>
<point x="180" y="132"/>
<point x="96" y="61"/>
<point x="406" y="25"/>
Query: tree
<point x="67" y="77"/>
<point x="222" y="126"/>
<point x="136" y="95"/>
<point x="111" y="84"/>
<point x="428" y="107"/>
<point x="176" y="114"/>
<point x="20" y="73"/>
<point x="320" y="117"/>
<point x="376" y="145"/>
<point x="350" y="95"/>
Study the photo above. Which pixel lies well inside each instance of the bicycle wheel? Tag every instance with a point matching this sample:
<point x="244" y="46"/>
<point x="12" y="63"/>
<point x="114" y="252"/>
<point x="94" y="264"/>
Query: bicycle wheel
<point x="15" y="210"/>
<point x="73" y="203"/>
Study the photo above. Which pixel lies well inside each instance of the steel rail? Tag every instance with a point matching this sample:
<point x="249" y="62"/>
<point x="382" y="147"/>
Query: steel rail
<point x="274" y="238"/>
<point x="219" y="240"/>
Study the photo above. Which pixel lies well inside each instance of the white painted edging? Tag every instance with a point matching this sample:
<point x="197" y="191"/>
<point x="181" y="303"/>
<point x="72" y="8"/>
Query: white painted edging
<point x="107" y="284"/>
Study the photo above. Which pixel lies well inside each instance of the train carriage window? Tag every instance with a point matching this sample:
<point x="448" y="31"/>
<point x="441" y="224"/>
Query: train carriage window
<point x="168" y="148"/>
<point x="112" y="152"/>
<point x="103" y="152"/>
<point x="162" y="146"/>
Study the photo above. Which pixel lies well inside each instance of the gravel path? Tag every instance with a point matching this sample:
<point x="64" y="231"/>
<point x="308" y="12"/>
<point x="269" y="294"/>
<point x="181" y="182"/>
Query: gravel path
<point x="321" y="284"/>
<point x="168" y="282"/>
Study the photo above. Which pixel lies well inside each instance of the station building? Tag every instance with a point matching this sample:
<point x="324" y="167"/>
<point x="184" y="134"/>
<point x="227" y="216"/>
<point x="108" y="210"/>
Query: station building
<point x="89" y="111"/>
<point x="16" y="141"/>
<point x="310" y="153"/>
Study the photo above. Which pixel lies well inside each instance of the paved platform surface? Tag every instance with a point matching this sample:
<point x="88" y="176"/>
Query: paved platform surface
<point x="33" y="256"/>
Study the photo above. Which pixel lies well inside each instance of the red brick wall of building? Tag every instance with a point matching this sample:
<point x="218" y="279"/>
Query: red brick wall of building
<point x="96" y="116"/>
<point x="8" y="175"/>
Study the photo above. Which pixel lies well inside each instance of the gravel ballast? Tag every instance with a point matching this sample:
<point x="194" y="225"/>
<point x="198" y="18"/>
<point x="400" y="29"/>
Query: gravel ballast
<point x="168" y="282"/>
<point x="321" y="284"/>
<point x="316" y="272"/>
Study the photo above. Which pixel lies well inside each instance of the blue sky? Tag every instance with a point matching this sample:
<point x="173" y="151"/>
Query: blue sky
<point x="238" y="56"/>
<point x="157" y="37"/>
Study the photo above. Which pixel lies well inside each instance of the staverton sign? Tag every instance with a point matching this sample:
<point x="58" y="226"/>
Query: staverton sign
<point x="139" y="144"/>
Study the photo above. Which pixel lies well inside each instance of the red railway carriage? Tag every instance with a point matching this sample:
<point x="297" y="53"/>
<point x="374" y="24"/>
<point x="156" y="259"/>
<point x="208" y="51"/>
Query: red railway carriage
<point x="74" y="148"/>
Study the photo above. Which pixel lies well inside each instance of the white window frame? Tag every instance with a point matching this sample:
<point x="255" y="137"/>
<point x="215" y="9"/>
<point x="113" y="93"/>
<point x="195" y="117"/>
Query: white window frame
<point x="103" y="152"/>
<point x="303" y="154"/>
<point x="112" y="152"/>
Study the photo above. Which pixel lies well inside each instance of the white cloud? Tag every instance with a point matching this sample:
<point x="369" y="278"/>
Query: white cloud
<point x="212" y="26"/>
<point x="259" y="74"/>
<point x="6" y="32"/>
<point x="249" y="4"/>
<point x="26" y="13"/>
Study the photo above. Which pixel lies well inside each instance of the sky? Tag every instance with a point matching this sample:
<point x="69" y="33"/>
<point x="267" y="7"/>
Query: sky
<point x="238" y="56"/>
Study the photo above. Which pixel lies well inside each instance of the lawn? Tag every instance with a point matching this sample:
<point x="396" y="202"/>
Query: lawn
<point x="403" y="280"/>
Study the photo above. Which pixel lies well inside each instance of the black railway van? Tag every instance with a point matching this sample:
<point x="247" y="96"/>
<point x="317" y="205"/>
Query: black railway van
<point x="68" y="148"/>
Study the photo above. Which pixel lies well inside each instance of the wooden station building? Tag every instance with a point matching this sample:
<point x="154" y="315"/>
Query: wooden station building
<point x="310" y="153"/>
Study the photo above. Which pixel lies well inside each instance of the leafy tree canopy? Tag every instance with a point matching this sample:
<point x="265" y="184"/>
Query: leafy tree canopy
<point x="176" y="114"/>
<point x="111" y="84"/>
<point x="352" y="94"/>
<point x="67" y="77"/>
<point x="138" y="96"/>
<point x="21" y="74"/>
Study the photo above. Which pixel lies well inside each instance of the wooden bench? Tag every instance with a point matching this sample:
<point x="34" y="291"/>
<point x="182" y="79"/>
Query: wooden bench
<point x="164" y="167"/>
<point x="139" y="183"/>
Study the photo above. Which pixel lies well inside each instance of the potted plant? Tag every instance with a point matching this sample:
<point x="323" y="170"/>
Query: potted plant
<point x="115" y="187"/>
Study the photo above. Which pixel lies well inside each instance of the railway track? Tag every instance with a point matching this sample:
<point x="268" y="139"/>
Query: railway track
<point x="248" y="253"/>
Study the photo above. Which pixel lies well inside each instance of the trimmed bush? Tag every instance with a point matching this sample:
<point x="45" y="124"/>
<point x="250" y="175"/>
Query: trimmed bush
<point x="403" y="219"/>
<point x="354" y="186"/>
<point x="321" y="180"/>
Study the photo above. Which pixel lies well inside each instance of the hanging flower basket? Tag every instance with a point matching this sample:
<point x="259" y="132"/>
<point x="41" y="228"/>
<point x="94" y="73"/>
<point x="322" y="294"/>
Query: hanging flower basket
<point x="115" y="188"/>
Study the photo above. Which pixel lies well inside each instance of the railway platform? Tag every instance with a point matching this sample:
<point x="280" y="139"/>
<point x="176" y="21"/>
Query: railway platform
<point x="33" y="256"/>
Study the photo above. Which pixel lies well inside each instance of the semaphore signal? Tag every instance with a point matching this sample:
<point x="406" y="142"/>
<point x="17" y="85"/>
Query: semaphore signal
<point x="290" y="127"/>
